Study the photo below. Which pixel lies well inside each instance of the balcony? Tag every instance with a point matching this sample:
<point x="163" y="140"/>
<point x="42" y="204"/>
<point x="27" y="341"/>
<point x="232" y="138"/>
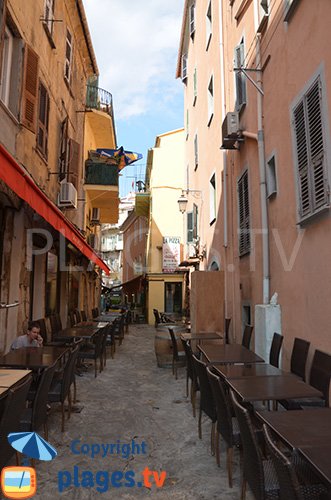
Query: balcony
<point x="101" y="187"/>
<point x="100" y="99"/>
<point x="100" y="118"/>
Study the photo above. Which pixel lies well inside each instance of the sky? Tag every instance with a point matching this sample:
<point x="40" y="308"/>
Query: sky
<point x="136" y="45"/>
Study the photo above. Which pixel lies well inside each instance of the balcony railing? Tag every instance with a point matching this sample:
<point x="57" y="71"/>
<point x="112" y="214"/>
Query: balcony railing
<point x="99" y="99"/>
<point x="102" y="174"/>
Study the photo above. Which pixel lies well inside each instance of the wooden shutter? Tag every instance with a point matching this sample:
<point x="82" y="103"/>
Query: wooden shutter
<point x="43" y="115"/>
<point x="30" y="88"/>
<point x="316" y="146"/>
<point x="189" y="227"/>
<point x="313" y="183"/>
<point x="302" y="158"/>
<point x="192" y="19"/>
<point x="74" y="163"/>
<point x="195" y="84"/>
<point x="2" y="28"/>
<point x="64" y="150"/>
<point x="196" y="152"/>
<point x="240" y="77"/>
<point x="195" y="221"/>
<point x="244" y="214"/>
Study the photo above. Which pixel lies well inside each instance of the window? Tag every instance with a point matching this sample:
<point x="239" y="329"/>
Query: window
<point x="195" y="86"/>
<point x="196" y="153"/>
<point x="68" y="57"/>
<point x="173" y="297"/>
<point x="244" y="215"/>
<point x="210" y="99"/>
<point x="51" y="295"/>
<point x="195" y="222"/>
<point x="11" y="67"/>
<point x="187" y="123"/>
<point x="271" y="177"/>
<point x="48" y="21"/>
<point x="192" y="19"/>
<point x="43" y="113"/>
<point x="310" y="152"/>
<point x="184" y="67"/>
<point x="290" y="6"/>
<point x="208" y="26"/>
<point x="240" y="77"/>
<point x="212" y="199"/>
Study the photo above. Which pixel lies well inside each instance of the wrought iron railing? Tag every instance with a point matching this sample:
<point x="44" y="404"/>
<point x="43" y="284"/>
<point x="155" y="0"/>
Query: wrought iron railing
<point x="100" y="99"/>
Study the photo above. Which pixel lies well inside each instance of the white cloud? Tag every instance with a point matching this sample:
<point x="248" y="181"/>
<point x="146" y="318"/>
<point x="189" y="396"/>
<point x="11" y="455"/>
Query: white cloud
<point x="136" y="44"/>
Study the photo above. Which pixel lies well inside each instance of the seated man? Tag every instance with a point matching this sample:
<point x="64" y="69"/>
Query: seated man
<point x="32" y="338"/>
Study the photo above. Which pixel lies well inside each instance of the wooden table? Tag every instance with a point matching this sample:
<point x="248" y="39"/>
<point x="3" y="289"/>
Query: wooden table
<point x="248" y="371"/>
<point x="33" y="358"/>
<point x="269" y="388"/>
<point x="107" y="317"/>
<point x="300" y="428"/>
<point x="201" y="336"/>
<point x="309" y="431"/>
<point x="84" y="332"/>
<point x="11" y="377"/>
<point x="229" y="353"/>
<point x="319" y="458"/>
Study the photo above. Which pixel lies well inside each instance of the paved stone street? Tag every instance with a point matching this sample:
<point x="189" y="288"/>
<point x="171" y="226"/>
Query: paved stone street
<point x="133" y="399"/>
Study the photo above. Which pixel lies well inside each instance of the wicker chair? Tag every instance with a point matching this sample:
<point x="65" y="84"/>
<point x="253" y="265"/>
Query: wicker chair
<point x="35" y="416"/>
<point x="190" y="374"/>
<point x="13" y="407"/>
<point x="93" y="351"/>
<point x="289" y="484"/>
<point x="227" y="425"/>
<point x="299" y="357"/>
<point x="60" y="389"/>
<point x="258" y="472"/>
<point x="247" y="336"/>
<point x="207" y="403"/>
<point x="177" y="357"/>
<point x="276" y="346"/>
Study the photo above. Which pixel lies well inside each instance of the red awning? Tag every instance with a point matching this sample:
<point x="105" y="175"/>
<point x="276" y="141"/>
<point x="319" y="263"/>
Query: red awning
<point x="21" y="183"/>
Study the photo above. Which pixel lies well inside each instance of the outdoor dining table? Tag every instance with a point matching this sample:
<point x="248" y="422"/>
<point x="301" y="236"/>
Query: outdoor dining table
<point x="201" y="336"/>
<point x="229" y="353"/>
<point x="270" y="388"/>
<point x="309" y="431"/>
<point x="107" y="317"/>
<point x="33" y="358"/>
<point x="84" y="332"/>
<point x="249" y="371"/>
<point x="10" y="377"/>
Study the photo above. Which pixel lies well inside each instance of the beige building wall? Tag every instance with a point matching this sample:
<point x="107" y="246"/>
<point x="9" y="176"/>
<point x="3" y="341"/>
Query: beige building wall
<point x="165" y="180"/>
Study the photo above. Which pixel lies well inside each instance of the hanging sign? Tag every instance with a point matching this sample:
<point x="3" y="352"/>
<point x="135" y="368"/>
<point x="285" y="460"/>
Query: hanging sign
<point x="170" y="253"/>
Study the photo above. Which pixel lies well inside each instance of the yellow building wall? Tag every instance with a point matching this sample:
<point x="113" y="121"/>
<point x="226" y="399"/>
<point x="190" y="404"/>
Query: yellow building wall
<point x="156" y="292"/>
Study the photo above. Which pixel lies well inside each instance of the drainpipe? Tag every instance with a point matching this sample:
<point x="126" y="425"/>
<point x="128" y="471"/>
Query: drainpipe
<point x="263" y="185"/>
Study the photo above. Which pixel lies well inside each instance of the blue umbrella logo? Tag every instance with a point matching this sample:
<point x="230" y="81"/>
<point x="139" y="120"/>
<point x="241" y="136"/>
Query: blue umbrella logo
<point x="32" y="445"/>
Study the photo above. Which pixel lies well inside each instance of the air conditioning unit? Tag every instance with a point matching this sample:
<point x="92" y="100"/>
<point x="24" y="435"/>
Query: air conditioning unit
<point x="95" y="217"/>
<point x="67" y="197"/>
<point x="230" y="130"/>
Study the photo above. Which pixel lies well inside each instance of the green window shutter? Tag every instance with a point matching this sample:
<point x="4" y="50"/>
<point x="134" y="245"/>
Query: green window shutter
<point x="189" y="227"/>
<point x="244" y="214"/>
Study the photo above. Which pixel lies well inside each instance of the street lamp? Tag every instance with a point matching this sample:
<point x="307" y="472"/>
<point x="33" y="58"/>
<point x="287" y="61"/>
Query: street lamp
<point x="183" y="201"/>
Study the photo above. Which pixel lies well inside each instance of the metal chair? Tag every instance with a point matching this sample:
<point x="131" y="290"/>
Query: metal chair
<point x="247" y="336"/>
<point x="227" y="425"/>
<point x="83" y="315"/>
<point x="177" y="357"/>
<point x="276" y="346"/>
<point x="258" y="472"/>
<point x="207" y="404"/>
<point x="289" y="484"/>
<point x="78" y="316"/>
